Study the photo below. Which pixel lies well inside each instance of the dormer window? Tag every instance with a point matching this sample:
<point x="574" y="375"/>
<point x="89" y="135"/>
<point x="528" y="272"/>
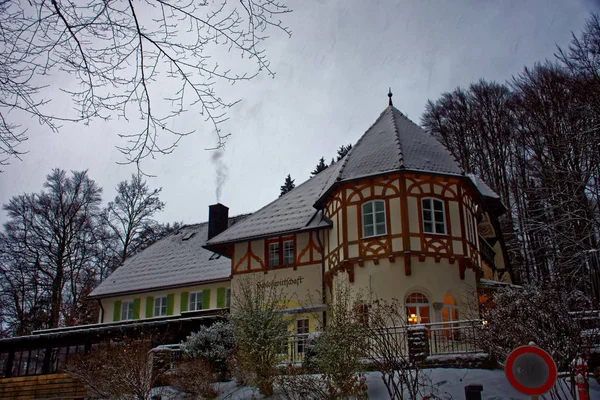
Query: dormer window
<point x="373" y="218"/>
<point x="434" y="220"/>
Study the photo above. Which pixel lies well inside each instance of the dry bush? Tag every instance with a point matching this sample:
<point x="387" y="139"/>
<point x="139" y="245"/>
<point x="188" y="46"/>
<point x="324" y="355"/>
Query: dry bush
<point x="294" y="384"/>
<point x="260" y="331"/>
<point x="124" y="370"/>
<point x="340" y="348"/>
<point x="196" y="377"/>
<point x="388" y="349"/>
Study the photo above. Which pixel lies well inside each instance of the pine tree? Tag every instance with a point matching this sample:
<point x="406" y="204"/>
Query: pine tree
<point x="343" y="150"/>
<point x="287" y="186"/>
<point x="321" y="166"/>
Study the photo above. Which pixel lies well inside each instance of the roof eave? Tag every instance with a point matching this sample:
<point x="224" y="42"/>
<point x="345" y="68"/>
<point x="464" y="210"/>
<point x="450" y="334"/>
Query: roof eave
<point x="158" y="288"/>
<point x="215" y="246"/>
<point x="322" y="198"/>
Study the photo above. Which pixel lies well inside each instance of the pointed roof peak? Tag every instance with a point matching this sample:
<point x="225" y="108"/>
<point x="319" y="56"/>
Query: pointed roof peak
<point x="393" y="143"/>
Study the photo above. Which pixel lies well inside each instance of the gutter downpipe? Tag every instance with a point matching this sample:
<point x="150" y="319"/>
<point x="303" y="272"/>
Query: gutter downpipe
<point x="323" y="286"/>
<point x="101" y="311"/>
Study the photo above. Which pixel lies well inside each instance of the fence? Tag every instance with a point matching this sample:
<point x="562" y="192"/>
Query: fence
<point x="432" y="339"/>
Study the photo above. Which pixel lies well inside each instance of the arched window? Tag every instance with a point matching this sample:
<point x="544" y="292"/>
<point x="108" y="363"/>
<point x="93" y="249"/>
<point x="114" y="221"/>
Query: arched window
<point x="434" y="220"/>
<point x="373" y="218"/>
<point x="417" y="308"/>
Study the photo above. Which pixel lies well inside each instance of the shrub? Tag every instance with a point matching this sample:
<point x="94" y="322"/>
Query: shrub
<point x="195" y="376"/>
<point x="119" y="370"/>
<point x="340" y="348"/>
<point x="215" y="344"/>
<point x="260" y="331"/>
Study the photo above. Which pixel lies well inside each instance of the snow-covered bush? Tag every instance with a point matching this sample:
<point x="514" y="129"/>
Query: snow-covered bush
<point x="215" y="344"/>
<point x="308" y="363"/>
<point x="260" y="331"/>
<point x="538" y="314"/>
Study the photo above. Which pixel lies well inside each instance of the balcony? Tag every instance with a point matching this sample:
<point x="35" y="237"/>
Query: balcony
<point x="487" y="253"/>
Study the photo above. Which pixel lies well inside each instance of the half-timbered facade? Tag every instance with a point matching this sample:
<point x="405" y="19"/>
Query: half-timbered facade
<point x="396" y="218"/>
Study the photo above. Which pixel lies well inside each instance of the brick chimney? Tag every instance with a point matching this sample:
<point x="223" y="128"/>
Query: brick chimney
<point x="218" y="217"/>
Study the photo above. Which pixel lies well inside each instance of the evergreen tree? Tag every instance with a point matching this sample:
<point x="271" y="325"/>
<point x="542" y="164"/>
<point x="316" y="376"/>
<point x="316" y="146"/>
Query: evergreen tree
<point x="343" y="150"/>
<point x="287" y="186"/>
<point x="321" y="166"/>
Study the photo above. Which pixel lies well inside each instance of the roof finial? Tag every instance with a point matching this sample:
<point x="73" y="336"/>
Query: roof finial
<point x="390" y="96"/>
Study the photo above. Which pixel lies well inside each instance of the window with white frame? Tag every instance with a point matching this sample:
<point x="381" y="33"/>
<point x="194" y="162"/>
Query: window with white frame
<point x="273" y="254"/>
<point x="160" y="306"/>
<point x="433" y="216"/>
<point x="417" y="308"/>
<point x="228" y="297"/>
<point x="471" y="228"/>
<point x="301" y="335"/>
<point x="127" y="310"/>
<point x="288" y="252"/>
<point x="373" y="218"/>
<point x="195" y="301"/>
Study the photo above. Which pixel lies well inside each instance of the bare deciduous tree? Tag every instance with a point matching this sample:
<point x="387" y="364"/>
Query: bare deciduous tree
<point x="153" y="59"/>
<point x="536" y="142"/>
<point x="129" y="215"/>
<point x="48" y="249"/>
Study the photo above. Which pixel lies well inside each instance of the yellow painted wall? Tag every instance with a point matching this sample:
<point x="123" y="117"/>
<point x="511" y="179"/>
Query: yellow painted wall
<point x="302" y="285"/>
<point x="299" y="288"/>
<point x="108" y="303"/>
<point x="387" y="281"/>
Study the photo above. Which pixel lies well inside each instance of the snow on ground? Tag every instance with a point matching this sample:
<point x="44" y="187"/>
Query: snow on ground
<point x="449" y="384"/>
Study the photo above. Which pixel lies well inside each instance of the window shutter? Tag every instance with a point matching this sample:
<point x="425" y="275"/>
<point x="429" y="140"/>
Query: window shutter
<point x="117" y="311"/>
<point x="184" y="301"/>
<point x="205" y="299"/>
<point x="220" y="297"/>
<point x="136" y="308"/>
<point x="170" y="303"/>
<point x="149" y="307"/>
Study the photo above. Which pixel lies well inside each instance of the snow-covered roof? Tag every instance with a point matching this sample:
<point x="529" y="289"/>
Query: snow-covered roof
<point x="483" y="188"/>
<point x="170" y="262"/>
<point x="394" y="142"/>
<point x="291" y="212"/>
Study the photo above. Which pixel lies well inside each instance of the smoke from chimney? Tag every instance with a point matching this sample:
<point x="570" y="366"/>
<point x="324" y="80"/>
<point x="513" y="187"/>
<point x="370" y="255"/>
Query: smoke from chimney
<point x="221" y="171"/>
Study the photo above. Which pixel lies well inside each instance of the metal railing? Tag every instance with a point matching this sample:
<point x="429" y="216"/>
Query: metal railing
<point x="454" y="337"/>
<point x="443" y="338"/>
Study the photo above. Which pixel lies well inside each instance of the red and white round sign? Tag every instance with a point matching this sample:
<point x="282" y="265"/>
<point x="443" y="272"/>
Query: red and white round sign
<point x="530" y="370"/>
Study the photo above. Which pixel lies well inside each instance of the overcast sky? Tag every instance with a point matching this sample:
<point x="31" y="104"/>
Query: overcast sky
<point x="332" y="79"/>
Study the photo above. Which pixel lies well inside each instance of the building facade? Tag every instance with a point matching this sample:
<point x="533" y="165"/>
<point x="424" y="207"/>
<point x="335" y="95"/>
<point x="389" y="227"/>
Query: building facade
<point x="395" y="219"/>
